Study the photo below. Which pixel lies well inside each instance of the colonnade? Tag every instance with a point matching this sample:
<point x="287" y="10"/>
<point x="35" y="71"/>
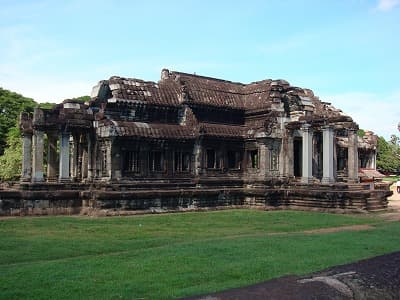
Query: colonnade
<point x="328" y="147"/>
<point x="72" y="161"/>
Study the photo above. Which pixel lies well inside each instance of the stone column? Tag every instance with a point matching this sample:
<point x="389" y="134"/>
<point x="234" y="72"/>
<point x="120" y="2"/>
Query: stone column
<point x="90" y="148"/>
<point x="352" y="160"/>
<point x="51" y="157"/>
<point x="26" y="175"/>
<point x="64" y="157"/>
<point x="108" y="159"/>
<point x="263" y="159"/>
<point x="289" y="156"/>
<point x="307" y="135"/>
<point x="373" y="160"/>
<point x="328" y="153"/>
<point x="115" y="159"/>
<point x="79" y="164"/>
<point x="335" y="158"/>
<point x="84" y="170"/>
<point x="74" y="157"/>
<point x="197" y="154"/>
<point x="143" y="159"/>
<point x="38" y="156"/>
<point x="286" y="162"/>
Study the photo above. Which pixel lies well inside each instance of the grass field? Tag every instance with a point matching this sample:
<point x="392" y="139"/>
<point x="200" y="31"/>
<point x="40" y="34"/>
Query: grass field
<point x="391" y="178"/>
<point x="175" y="255"/>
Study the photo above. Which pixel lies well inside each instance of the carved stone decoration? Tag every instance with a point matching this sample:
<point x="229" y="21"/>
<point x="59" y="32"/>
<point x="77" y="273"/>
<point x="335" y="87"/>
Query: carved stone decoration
<point x="270" y="122"/>
<point x="184" y="93"/>
<point x="25" y="123"/>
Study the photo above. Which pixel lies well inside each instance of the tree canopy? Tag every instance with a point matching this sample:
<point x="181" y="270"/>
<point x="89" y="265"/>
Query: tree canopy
<point x="11" y="160"/>
<point x="388" y="158"/>
<point x="83" y="98"/>
<point x="11" y="105"/>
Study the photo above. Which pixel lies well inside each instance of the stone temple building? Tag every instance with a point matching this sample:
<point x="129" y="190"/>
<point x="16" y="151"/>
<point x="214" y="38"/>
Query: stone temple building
<point x="191" y="142"/>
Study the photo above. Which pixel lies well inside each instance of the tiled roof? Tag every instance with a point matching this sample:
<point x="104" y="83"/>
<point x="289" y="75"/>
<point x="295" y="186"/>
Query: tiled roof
<point x="210" y="91"/>
<point x="220" y="130"/>
<point x="148" y="130"/>
<point x="125" y="89"/>
<point x="175" y="88"/>
<point x="370" y="173"/>
<point x="168" y="131"/>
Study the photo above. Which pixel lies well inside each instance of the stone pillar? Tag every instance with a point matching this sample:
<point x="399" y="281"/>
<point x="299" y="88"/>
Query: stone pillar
<point x="26" y="175"/>
<point x="51" y="157"/>
<point x="79" y="165"/>
<point x="373" y="160"/>
<point x="38" y="149"/>
<point x="307" y="135"/>
<point x="115" y="159"/>
<point x="263" y="159"/>
<point x="90" y="148"/>
<point x="289" y="156"/>
<point x="352" y="160"/>
<point x="328" y="153"/>
<point x="335" y="158"/>
<point x="84" y="170"/>
<point x="286" y="163"/>
<point x="143" y="159"/>
<point x="64" y="157"/>
<point x="197" y="154"/>
<point x="108" y="159"/>
<point x="74" y="157"/>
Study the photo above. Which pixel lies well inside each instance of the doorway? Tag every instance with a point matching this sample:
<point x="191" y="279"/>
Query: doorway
<point x="297" y="157"/>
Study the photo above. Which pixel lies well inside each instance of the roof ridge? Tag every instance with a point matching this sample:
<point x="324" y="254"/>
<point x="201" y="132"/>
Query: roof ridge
<point x="206" y="77"/>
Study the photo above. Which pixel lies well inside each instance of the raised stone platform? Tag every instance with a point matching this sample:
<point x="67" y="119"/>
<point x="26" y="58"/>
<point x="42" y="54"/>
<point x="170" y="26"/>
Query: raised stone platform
<point x="184" y="195"/>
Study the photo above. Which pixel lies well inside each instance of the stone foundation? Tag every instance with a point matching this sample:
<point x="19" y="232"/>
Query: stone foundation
<point x="122" y="199"/>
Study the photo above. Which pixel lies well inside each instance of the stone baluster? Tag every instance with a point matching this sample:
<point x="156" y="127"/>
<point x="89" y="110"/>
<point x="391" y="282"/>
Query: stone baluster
<point x="328" y="153"/>
<point x="307" y="135"/>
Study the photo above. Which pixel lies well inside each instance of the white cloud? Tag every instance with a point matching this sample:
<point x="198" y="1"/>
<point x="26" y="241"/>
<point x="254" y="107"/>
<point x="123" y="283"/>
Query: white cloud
<point x="379" y="113"/>
<point x="386" y="5"/>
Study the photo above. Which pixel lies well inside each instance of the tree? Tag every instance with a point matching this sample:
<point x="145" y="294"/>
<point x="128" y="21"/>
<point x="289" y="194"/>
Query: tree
<point x="394" y="139"/>
<point x="83" y="98"/>
<point x="360" y="132"/>
<point x="11" y="105"/>
<point x="46" y="105"/>
<point x="388" y="156"/>
<point x="11" y="160"/>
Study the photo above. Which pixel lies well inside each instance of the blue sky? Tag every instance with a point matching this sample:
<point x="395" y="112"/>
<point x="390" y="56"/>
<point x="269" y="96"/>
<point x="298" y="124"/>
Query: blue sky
<point x="346" y="51"/>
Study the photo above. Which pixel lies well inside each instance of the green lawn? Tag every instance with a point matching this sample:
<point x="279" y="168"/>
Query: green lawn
<point x="174" y="255"/>
<point x="391" y="178"/>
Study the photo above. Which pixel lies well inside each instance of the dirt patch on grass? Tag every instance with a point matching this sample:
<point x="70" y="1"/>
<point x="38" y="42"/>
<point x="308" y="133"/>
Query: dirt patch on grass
<point x="338" y="229"/>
